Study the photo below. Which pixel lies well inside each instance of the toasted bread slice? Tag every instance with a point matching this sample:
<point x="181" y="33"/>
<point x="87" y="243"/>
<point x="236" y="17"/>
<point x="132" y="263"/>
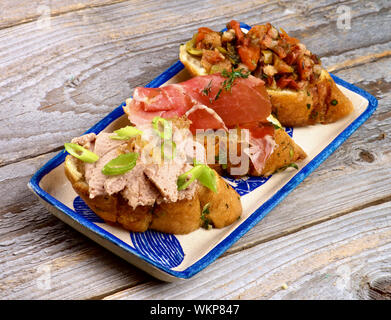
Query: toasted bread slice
<point x="299" y="108"/>
<point x="191" y="63"/>
<point x="112" y="209"/>
<point x="286" y="152"/>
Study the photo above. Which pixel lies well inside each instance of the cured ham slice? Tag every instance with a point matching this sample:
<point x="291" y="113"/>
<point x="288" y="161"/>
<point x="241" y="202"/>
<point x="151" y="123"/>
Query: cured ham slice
<point x="211" y="104"/>
<point x="245" y="101"/>
<point x="261" y="143"/>
<point x="204" y="118"/>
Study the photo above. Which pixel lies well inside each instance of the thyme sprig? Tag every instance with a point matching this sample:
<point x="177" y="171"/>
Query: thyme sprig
<point x="229" y="82"/>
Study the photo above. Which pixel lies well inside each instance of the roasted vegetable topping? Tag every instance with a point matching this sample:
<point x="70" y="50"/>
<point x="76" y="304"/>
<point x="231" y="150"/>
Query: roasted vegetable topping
<point x="190" y="47"/>
<point x="282" y="61"/>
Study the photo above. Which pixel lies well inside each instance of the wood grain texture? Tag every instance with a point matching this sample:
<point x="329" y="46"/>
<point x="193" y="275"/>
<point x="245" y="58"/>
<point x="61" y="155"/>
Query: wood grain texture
<point x="56" y="82"/>
<point x="90" y="63"/>
<point x="24" y="220"/>
<point x="321" y="262"/>
<point x="15" y="12"/>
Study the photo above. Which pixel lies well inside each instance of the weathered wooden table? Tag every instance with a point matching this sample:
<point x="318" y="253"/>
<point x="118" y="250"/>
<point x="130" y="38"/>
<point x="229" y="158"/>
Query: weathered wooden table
<point x="66" y="64"/>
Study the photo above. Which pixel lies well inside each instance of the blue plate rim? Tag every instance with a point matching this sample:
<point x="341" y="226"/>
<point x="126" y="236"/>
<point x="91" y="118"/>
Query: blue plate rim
<point x="244" y="227"/>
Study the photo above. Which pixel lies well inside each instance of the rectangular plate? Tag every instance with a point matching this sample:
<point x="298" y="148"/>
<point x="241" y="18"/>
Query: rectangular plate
<point x="173" y="257"/>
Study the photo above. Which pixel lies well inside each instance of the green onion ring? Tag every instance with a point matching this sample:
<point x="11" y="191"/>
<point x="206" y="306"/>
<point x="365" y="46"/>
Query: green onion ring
<point x="167" y="127"/>
<point x="126" y="133"/>
<point x="81" y="153"/>
<point x="123" y="163"/>
<point x="205" y="175"/>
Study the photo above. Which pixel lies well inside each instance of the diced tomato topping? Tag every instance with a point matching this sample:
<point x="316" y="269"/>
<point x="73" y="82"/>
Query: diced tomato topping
<point x="249" y="56"/>
<point x="269" y="81"/>
<point x="235" y="25"/>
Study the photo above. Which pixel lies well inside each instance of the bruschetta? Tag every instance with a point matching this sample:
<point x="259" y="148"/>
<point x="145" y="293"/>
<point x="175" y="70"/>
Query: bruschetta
<point x="301" y="91"/>
<point x="110" y="172"/>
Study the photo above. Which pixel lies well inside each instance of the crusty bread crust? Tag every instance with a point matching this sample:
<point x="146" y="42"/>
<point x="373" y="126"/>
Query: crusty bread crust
<point x="181" y="217"/>
<point x="191" y="63"/>
<point x="110" y="208"/>
<point x="285" y="152"/>
<point x="297" y="108"/>
<point x="292" y="108"/>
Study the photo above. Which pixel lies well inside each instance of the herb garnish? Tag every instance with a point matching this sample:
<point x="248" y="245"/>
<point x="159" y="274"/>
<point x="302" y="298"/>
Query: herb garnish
<point x="228" y="84"/>
<point x="207" y="89"/>
<point x="334" y="102"/>
<point x="206" y="223"/>
<point x="276" y="127"/>
<point x="290" y="165"/>
<point x="313" y="115"/>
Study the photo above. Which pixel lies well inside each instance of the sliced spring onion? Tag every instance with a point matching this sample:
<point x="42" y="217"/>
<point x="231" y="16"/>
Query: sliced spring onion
<point x="172" y="150"/>
<point x="126" y="133"/>
<point x="206" y="223"/>
<point x="291" y="165"/>
<point x="205" y="209"/>
<point x="202" y="173"/>
<point x="80" y="153"/>
<point x="162" y="127"/>
<point x="123" y="163"/>
<point x="277" y="125"/>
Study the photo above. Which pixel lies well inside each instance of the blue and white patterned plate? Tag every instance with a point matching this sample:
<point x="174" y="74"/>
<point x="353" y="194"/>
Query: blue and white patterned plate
<point x="172" y="257"/>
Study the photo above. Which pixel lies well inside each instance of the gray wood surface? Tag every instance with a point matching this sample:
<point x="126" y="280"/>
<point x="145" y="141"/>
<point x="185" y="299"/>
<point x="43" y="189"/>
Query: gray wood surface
<point x="60" y="74"/>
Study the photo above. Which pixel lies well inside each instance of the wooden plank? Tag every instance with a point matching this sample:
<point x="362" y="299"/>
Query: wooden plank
<point x="39" y="240"/>
<point x="15" y="12"/>
<point x="338" y="259"/>
<point x="90" y="63"/>
<point x="34" y="245"/>
<point x="356" y="174"/>
<point x="28" y="228"/>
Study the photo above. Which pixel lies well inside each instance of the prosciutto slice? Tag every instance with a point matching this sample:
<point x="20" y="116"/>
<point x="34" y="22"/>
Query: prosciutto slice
<point x="211" y="105"/>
